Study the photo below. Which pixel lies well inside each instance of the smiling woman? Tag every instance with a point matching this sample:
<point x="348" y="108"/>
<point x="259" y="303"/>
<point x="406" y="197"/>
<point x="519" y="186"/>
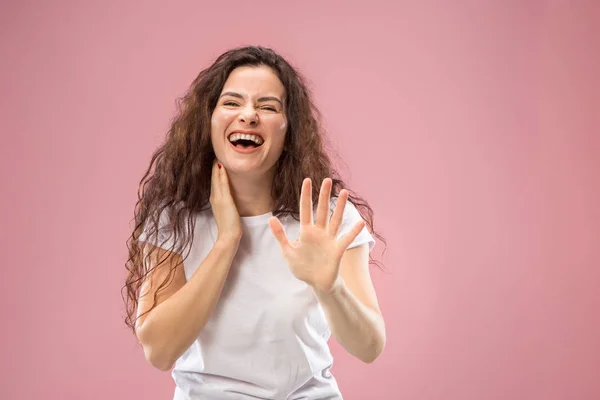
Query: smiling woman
<point x="215" y="287"/>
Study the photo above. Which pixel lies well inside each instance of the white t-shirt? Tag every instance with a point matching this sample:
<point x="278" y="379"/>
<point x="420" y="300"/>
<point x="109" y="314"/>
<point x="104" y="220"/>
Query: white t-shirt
<point x="267" y="337"/>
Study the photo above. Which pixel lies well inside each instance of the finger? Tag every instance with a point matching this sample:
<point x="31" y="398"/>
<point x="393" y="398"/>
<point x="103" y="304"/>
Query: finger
<point x="279" y="233"/>
<point x="349" y="237"/>
<point x="338" y="213"/>
<point x="306" y="209"/>
<point x="215" y="187"/>
<point x="225" y="189"/>
<point x="323" y="205"/>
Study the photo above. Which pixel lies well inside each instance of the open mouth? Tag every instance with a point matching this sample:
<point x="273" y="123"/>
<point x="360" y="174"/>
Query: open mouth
<point x="245" y="144"/>
<point x="245" y="141"/>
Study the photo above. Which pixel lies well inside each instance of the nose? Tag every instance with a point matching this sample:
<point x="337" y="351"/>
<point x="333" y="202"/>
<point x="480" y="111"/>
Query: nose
<point x="249" y="116"/>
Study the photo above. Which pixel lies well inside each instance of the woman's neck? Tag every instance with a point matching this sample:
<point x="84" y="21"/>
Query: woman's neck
<point x="252" y="195"/>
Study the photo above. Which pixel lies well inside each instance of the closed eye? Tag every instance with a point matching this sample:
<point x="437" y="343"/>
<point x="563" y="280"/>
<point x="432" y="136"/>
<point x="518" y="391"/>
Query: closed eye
<point x="230" y="103"/>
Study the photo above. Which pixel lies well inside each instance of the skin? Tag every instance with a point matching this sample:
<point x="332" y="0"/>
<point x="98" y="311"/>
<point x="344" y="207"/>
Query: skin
<point x="253" y="99"/>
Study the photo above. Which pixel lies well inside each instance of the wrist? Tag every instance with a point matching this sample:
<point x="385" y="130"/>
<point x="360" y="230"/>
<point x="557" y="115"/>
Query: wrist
<point x="332" y="291"/>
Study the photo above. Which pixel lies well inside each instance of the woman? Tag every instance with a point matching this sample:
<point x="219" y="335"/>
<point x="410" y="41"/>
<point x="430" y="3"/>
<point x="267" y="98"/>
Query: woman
<point x="217" y="286"/>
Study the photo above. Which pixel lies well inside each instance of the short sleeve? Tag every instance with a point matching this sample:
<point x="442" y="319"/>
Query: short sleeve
<point x="351" y="218"/>
<point x="163" y="238"/>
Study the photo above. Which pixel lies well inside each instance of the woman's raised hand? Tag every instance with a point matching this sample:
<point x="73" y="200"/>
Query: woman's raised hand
<point x="316" y="255"/>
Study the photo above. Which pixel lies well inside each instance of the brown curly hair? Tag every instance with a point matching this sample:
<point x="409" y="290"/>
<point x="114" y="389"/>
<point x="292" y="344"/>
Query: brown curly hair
<point x="177" y="181"/>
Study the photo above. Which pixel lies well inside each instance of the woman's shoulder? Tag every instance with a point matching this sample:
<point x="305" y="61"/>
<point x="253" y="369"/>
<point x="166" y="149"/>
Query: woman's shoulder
<point x="204" y="216"/>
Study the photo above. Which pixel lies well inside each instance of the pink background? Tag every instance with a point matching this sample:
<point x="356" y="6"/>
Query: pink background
<point x="472" y="129"/>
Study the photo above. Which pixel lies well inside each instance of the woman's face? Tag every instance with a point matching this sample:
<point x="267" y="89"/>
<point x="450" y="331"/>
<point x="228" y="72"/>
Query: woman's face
<point x="248" y="124"/>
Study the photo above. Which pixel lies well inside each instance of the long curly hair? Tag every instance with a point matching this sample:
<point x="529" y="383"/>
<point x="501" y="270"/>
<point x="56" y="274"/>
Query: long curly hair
<point x="177" y="181"/>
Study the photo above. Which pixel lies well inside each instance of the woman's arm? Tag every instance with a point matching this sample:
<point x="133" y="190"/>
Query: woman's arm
<point x="183" y="308"/>
<point x="339" y="277"/>
<point x="351" y="307"/>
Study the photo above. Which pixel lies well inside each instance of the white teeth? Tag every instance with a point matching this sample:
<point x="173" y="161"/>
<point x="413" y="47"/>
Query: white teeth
<point x="238" y="136"/>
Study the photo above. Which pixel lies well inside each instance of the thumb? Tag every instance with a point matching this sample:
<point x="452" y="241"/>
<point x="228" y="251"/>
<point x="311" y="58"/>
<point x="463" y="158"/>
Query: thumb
<point x="279" y="233"/>
<point x="349" y="237"/>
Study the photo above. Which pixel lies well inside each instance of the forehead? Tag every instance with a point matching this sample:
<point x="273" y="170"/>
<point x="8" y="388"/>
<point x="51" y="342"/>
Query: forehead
<point x="254" y="81"/>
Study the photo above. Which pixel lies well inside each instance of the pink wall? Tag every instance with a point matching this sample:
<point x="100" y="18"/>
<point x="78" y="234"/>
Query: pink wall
<point x="472" y="129"/>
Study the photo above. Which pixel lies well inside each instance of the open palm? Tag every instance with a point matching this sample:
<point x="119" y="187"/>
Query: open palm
<point x="315" y="257"/>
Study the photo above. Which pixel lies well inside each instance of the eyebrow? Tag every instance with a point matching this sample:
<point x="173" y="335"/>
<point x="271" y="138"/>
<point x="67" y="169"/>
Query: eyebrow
<point x="261" y="99"/>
